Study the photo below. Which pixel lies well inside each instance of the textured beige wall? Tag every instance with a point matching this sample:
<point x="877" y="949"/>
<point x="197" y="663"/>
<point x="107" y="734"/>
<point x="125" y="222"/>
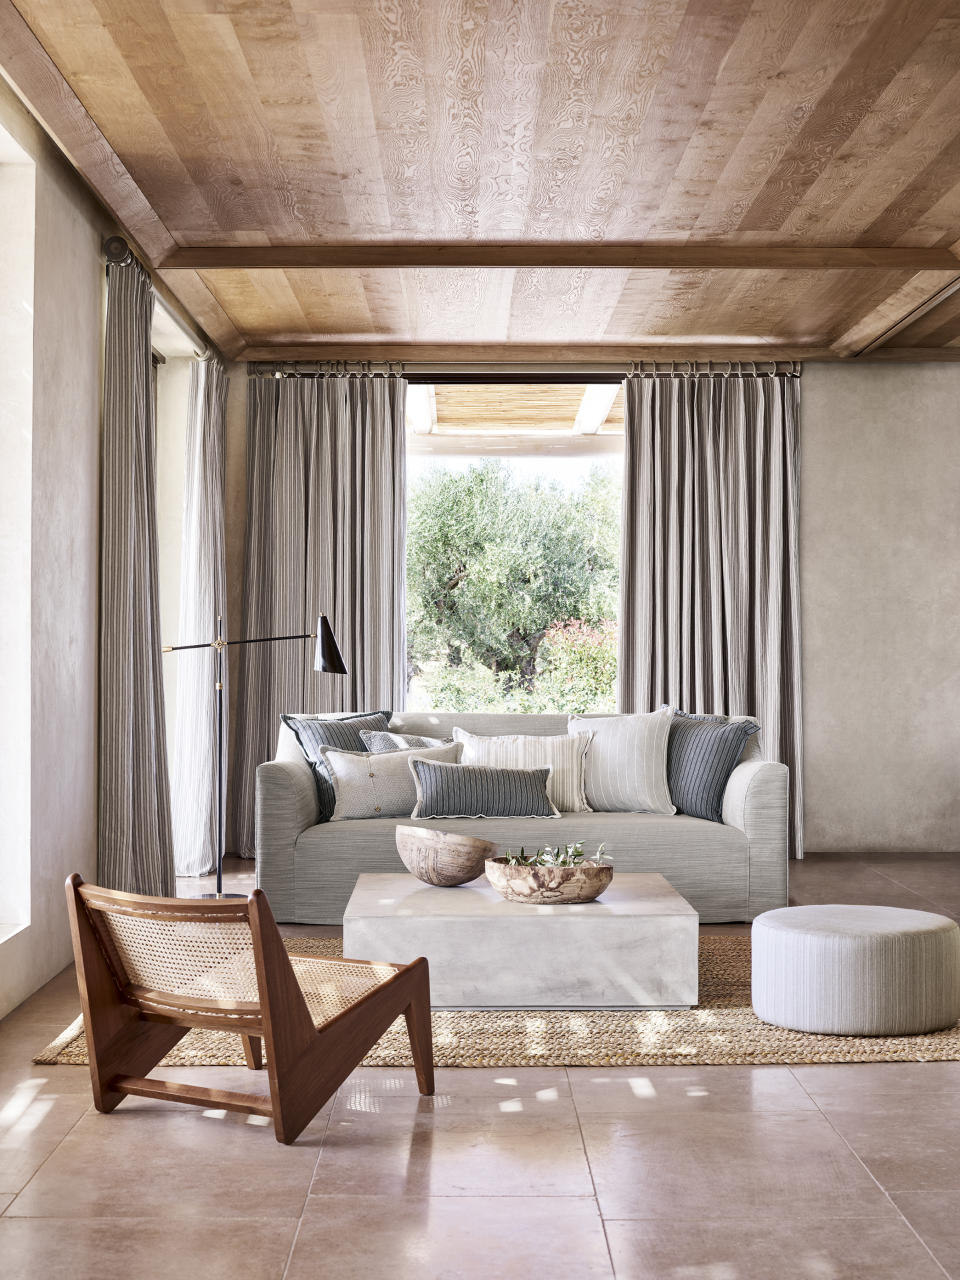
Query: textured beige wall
<point x="880" y="593"/>
<point x="68" y="309"/>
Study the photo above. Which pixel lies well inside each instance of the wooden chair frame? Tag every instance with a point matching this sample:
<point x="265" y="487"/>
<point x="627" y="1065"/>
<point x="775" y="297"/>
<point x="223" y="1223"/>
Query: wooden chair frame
<point x="130" y="1029"/>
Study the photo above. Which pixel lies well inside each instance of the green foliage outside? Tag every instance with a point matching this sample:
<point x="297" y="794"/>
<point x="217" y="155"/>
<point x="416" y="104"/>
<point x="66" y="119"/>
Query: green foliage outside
<point x="512" y="589"/>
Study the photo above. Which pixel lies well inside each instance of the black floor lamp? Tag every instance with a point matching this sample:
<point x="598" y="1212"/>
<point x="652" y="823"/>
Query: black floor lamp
<point x="326" y="658"/>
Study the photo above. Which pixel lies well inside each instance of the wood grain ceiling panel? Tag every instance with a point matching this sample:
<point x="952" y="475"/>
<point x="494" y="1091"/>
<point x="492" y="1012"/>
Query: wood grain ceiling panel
<point x="938" y="328"/>
<point x="752" y="123"/>
<point x="542" y="306"/>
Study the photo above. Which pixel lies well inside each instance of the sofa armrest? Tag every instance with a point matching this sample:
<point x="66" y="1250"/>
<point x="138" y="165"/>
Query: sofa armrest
<point x="286" y="806"/>
<point x="756" y="801"/>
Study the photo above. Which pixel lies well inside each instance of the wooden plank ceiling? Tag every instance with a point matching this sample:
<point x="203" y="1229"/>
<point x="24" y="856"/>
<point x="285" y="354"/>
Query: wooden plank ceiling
<point x="323" y="158"/>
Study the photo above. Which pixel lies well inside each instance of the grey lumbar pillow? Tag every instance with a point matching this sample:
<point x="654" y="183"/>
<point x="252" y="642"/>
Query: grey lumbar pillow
<point x="626" y="763"/>
<point x="373" y="784"/>
<point x="378" y="741"/>
<point x="342" y="732"/>
<point x="702" y="754"/>
<point x="564" y="756"/>
<point x="474" y="791"/>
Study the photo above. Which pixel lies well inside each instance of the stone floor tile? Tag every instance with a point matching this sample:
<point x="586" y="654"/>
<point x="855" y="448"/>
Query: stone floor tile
<point x="882" y="1248"/>
<point x="726" y="1164"/>
<point x="499" y="1082"/>
<point x="457" y="1238"/>
<point x="144" y="1249"/>
<point x="628" y="1091"/>
<point x="159" y="1159"/>
<point x="863" y="1084"/>
<point x="453" y="1147"/>
<point x="33" y="1121"/>
<point x="912" y="1144"/>
<point x="935" y="1216"/>
<point x="545" y="1096"/>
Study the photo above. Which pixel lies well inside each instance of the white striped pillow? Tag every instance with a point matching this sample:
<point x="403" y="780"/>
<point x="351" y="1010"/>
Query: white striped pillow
<point x="563" y="756"/>
<point x="626" y="767"/>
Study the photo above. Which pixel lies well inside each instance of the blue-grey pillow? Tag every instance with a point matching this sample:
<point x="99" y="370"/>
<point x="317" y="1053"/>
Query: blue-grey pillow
<point x="342" y="732"/>
<point x="378" y="741"/>
<point x="479" y="791"/>
<point x="702" y="752"/>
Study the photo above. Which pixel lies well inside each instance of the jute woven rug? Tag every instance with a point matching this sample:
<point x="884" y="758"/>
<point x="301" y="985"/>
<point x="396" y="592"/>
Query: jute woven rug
<point x="721" y="1032"/>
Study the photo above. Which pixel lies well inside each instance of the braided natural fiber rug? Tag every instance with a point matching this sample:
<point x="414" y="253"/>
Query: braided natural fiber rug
<point x="721" y="1032"/>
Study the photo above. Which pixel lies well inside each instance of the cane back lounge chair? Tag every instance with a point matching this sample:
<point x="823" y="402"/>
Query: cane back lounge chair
<point x="149" y="969"/>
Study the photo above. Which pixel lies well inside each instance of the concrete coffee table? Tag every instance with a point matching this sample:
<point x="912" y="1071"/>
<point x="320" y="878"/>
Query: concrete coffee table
<point x="634" y="948"/>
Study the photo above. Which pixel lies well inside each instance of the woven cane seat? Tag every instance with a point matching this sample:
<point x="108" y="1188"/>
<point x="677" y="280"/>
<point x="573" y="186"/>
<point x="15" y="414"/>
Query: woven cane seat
<point x="215" y="961"/>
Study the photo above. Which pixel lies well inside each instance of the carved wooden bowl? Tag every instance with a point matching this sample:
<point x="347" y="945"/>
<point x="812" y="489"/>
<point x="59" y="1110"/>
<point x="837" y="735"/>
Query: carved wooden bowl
<point x="442" y="857"/>
<point x="582" y="883"/>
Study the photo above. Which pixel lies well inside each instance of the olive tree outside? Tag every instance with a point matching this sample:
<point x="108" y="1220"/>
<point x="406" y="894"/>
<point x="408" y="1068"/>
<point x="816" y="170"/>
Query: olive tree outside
<point x="512" y="589"/>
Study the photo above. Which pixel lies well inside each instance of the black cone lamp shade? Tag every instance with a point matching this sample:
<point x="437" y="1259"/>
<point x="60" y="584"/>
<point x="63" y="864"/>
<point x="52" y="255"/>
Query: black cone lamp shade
<point x="327" y="657"/>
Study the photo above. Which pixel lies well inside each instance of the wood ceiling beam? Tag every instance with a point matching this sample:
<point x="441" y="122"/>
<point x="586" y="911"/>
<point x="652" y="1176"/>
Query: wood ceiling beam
<point x="544" y="353"/>
<point x="920" y="294"/>
<point x="588" y="253"/>
<point x="37" y="82"/>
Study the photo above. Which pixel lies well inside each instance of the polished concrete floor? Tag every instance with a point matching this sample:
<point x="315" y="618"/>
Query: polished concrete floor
<point x="719" y="1173"/>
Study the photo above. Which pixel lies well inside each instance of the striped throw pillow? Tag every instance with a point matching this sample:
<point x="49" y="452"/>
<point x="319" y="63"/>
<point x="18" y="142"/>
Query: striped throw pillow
<point x="626" y="766"/>
<point x="342" y="732"/>
<point x="475" y="791"/>
<point x="380" y="741"/>
<point x="702" y="753"/>
<point x="563" y="756"/>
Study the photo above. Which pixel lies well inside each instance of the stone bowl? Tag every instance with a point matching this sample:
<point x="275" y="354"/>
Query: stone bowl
<point x="581" y="883"/>
<point x="442" y="857"/>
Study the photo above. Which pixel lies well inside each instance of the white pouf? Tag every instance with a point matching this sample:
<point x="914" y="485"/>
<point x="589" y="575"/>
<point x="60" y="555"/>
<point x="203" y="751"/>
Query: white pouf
<point x="856" y="971"/>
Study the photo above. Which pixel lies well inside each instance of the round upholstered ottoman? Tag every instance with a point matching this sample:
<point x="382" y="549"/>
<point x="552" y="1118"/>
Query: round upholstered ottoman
<point x="856" y="971"/>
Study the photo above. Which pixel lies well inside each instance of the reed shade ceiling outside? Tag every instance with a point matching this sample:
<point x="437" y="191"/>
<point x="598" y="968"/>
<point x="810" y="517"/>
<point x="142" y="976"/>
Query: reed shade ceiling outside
<point x="750" y="125"/>
<point x="507" y="418"/>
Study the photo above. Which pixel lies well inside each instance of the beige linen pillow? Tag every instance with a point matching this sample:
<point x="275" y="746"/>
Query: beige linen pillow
<point x="626" y="766"/>
<point x="377" y="784"/>
<point x="563" y="756"/>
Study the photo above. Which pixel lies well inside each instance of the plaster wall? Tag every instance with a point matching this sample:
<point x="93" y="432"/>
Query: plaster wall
<point x="880" y="599"/>
<point x="68" y="303"/>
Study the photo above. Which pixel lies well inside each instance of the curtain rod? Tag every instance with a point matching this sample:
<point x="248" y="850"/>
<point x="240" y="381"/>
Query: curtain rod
<point x="491" y="373"/>
<point x="117" y="251"/>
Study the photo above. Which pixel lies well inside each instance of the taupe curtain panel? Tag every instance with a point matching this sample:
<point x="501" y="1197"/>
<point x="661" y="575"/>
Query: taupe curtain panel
<point x="326" y="528"/>
<point x="136" y="844"/>
<point x="203" y="593"/>
<point x="709" y="604"/>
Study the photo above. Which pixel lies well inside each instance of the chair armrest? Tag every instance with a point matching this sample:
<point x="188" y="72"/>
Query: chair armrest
<point x="286" y="806"/>
<point x="756" y="802"/>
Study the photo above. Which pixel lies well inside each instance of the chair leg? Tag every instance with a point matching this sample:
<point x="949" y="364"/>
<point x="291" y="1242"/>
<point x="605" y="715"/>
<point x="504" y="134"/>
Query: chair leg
<point x="420" y="1031"/>
<point x="253" y="1052"/>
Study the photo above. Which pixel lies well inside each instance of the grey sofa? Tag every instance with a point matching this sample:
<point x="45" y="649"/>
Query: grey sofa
<point x="728" y="871"/>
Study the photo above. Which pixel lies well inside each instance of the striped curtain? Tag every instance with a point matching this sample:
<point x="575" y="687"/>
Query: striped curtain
<point x="709" y="594"/>
<point x="136" y="845"/>
<point x="326" y="527"/>
<point x="203" y="592"/>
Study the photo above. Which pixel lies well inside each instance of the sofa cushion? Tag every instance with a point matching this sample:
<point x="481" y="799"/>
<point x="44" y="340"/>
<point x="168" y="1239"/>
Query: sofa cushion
<point x="464" y="791"/>
<point x="702" y="753"/>
<point x="380" y="741"/>
<point x="626" y="764"/>
<point x="563" y="756"/>
<point x="343" y="732"/>
<point x="373" y="784"/>
<point x="706" y="862"/>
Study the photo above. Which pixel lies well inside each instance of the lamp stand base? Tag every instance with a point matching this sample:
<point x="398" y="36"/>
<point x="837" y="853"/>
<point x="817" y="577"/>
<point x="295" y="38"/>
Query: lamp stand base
<point x="222" y="895"/>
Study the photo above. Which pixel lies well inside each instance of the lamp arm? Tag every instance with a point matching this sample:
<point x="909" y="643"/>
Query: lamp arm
<point x="219" y="644"/>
